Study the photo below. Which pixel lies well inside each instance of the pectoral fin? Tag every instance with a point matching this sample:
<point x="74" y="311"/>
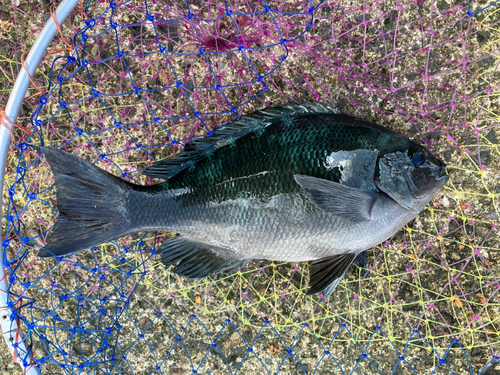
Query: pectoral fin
<point x="325" y="274"/>
<point x="352" y="203"/>
<point x="197" y="260"/>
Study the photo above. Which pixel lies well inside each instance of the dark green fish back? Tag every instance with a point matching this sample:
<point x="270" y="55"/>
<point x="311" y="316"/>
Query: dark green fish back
<point x="264" y="159"/>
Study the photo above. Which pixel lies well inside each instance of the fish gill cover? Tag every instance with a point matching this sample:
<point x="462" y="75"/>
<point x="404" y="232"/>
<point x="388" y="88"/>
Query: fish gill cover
<point x="142" y="78"/>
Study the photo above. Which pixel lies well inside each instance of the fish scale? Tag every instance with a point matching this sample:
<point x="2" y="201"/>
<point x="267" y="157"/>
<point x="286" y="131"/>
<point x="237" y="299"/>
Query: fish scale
<point x="263" y="187"/>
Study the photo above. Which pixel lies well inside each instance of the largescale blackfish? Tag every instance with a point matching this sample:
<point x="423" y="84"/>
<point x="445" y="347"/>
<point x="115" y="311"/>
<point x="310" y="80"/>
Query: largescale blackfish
<point x="292" y="183"/>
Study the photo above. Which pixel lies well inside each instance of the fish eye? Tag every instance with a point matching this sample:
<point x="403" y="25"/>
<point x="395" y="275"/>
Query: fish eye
<point x="416" y="156"/>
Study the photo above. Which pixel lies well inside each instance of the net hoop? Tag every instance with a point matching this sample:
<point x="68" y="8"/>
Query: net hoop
<point x="10" y="328"/>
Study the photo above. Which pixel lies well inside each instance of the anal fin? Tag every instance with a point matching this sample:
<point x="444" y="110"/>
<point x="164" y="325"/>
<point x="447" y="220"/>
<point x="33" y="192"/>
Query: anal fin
<point x="196" y="260"/>
<point x="326" y="273"/>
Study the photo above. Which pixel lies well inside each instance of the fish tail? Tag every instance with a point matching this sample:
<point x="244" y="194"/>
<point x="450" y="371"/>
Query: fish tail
<point x="92" y="205"/>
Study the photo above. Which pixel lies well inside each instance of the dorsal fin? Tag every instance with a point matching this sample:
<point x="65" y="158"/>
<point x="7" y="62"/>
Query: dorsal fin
<point x="200" y="148"/>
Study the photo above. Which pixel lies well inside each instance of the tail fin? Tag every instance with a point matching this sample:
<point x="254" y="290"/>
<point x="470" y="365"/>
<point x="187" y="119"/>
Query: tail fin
<point x="91" y="204"/>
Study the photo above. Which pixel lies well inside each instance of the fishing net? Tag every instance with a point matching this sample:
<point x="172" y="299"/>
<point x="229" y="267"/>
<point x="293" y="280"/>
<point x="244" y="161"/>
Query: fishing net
<point x="143" y="78"/>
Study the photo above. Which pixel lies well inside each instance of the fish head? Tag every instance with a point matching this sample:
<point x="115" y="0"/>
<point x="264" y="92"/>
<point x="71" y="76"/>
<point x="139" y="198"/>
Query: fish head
<point x="411" y="177"/>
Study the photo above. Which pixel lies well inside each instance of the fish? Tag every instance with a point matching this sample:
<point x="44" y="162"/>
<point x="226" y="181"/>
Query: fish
<point x="294" y="183"/>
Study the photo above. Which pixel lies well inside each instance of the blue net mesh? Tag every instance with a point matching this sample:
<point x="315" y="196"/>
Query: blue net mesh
<point x="481" y="7"/>
<point x="146" y="77"/>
